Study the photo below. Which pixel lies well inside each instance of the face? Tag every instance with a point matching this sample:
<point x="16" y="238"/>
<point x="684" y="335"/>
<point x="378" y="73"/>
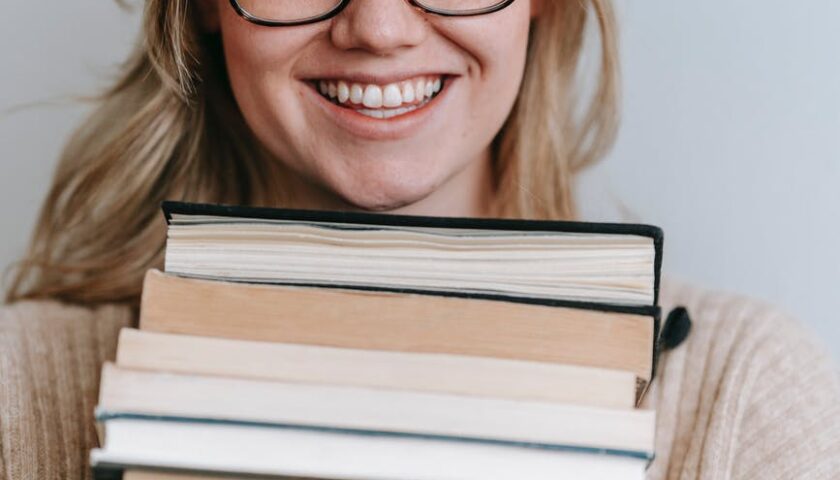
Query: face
<point x="382" y="106"/>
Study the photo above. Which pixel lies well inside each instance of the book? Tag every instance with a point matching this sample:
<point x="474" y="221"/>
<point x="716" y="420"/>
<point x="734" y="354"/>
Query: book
<point x="169" y="474"/>
<point x="358" y="409"/>
<point x="120" y="472"/>
<point x="287" y="344"/>
<point x="397" y="321"/>
<point x="241" y="450"/>
<point x="442" y="373"/>
<point x="610" y="264"/>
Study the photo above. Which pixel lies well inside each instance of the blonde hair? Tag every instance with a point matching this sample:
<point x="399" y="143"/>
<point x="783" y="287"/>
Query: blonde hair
<point x="169" y="128"/>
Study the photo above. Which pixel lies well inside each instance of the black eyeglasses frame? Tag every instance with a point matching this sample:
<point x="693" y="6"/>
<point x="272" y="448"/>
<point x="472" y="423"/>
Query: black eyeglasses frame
<point x="343" y="4"/>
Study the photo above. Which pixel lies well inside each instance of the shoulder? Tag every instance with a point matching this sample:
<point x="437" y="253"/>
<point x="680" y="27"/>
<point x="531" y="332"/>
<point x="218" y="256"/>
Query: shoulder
<point x="47" y="338"/>
<point x="748" y="393"/>
<point x="50" y="357"/>
<point x="55" y="324"/>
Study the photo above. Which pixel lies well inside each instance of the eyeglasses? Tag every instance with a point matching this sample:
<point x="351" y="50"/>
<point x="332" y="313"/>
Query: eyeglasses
<point x="282" y="13"/>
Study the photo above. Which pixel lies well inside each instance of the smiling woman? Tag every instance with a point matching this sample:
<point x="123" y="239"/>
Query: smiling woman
<point x="213" y="107"/>
<point x="434" y="107"/>
<point x="426" y="157"/>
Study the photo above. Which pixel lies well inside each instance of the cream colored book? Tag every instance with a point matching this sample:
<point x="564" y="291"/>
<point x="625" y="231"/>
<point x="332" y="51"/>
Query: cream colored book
<point x="174" y="475"/>
<point x="164" y="475"/>
<point x="398" y="322"/>
<point x="357" y="409"/>
<point x="425" y="372"/>
<point x="263" y="452"/>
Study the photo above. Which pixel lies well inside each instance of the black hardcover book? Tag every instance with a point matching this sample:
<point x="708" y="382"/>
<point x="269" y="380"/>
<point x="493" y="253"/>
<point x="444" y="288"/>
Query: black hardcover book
<point x="115" y="471"/>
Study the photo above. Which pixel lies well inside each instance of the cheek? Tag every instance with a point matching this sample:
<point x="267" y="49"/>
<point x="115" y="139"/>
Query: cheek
<point x="252" y="53"/>
<point x="259" y="63"/>
<point x="496" y="66"/>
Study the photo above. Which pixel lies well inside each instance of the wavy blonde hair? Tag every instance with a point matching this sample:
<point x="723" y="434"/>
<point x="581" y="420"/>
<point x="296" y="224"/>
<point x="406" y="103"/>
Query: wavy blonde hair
<point x="169" y="128"/>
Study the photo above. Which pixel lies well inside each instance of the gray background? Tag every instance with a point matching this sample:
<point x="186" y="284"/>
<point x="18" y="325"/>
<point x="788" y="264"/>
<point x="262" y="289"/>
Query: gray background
<point x="730" y="139"/>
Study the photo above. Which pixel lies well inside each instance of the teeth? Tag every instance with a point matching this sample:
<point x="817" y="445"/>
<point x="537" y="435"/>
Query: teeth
<point x="385" y="114"/>
<point x="397" y="112"/>
<point x="343" y="92"/>
<point x="410" y="92"/>
<point x="372" y="113"/>
<point x="357" y="94"/>
<point x="373" y="97"/>
<point x="393" y="96"/>
<point x="420" y="89"/>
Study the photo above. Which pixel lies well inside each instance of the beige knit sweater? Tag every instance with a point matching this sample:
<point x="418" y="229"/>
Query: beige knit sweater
<point x="747" y="396"/>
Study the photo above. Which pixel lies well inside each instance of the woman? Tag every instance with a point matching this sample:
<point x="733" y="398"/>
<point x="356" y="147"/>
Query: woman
<point x="435" y="107"/>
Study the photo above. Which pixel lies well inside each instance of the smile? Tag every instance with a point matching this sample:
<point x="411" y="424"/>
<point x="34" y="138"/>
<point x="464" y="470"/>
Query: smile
<point x="382" y="101"/>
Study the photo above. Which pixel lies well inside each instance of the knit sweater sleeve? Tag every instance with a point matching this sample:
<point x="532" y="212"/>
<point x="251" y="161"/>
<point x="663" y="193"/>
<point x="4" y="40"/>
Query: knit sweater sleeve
<point x="50" y="358"/>
<point x="749" y="395"/>
<point x="787" y="422"/>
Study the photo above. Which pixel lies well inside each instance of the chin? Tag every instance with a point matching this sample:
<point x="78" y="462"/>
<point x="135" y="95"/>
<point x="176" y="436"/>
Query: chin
<point x="383" y="195"/>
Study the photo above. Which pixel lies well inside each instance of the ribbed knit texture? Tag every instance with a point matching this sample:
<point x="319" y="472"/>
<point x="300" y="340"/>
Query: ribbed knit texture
<point x="747" y="396"/>
<point x="50" y="358"/>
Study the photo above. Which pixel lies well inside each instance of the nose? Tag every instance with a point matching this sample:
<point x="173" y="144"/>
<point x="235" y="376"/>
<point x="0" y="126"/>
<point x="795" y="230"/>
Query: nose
<point x="379" y="26"/>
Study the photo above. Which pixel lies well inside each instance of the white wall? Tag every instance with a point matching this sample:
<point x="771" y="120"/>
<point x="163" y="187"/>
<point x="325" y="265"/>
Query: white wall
<point x="731" y="136"/>
<point x="50" y="52"/>
<point x="731" y="143"/>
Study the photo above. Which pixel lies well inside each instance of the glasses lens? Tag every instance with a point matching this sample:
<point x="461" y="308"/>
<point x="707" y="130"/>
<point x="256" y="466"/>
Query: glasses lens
<point x="287" y="10"/>
<point x="462" y="7"/>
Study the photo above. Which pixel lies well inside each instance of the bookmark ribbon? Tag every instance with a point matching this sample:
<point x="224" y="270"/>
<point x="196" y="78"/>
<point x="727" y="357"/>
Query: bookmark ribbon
<point x="676" y="329"/>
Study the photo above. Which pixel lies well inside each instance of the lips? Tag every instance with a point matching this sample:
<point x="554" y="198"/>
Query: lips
<point x="382" y="123"/>
<point x="382" y="101"/>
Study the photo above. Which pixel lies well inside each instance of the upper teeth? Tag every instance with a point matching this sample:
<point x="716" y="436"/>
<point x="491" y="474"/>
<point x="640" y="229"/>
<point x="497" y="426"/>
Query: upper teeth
<point x="393" y="95"/>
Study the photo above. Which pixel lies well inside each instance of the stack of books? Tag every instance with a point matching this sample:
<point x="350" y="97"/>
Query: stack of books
<point x="332" y="345"/>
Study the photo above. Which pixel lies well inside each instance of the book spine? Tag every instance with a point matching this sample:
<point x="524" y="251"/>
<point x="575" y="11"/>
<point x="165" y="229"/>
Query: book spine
<point x="104" y="416"/>
<point x="107" y="472"/>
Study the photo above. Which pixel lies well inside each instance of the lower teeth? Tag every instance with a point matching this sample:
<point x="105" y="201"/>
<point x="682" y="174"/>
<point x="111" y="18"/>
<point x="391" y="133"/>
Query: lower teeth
<point x="390" y="113"/>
